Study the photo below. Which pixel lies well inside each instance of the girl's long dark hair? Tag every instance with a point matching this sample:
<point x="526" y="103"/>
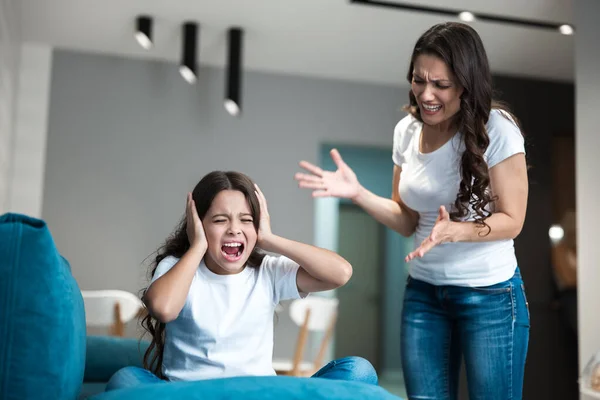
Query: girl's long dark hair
<point x="177" y="244"/>
<point x="461" y="48"/>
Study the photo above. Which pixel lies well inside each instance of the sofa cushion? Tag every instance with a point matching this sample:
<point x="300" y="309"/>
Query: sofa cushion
<point x="252" y="388"/>
<point x="105" y="355"/>
<point x="42" y="323"/>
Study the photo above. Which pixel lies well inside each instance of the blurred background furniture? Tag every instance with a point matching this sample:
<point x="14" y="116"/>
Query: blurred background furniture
<point x="111" y="308"/>
<point x="311" y="314"/>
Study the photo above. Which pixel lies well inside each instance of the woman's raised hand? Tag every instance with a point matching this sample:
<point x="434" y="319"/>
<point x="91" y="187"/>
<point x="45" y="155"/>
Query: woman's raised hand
<point x="341" y="183"/>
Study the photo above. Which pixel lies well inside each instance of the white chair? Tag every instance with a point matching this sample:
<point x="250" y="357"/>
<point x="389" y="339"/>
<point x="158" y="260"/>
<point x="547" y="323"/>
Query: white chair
<point x="315" y="314"/>
<point x="112" y="308"/>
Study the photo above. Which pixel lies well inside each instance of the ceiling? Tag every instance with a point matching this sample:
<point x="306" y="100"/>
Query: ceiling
<point x="318" y="38"/>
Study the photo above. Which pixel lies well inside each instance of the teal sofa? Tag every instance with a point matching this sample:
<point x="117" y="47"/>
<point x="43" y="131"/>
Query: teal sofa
<point x="46" y="354"/>
<point x="104" y="356"/>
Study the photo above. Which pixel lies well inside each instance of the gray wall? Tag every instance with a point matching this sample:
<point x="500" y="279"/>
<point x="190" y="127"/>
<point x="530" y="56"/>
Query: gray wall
<point x="128" y="138"/>
<point x="30" y="130"/>
<point x="10" y="52"/>
<point x="587" y="77"/>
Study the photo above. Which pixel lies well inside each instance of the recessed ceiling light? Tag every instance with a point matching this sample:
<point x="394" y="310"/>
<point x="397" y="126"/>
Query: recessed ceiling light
<point x="566" y="29"/>
<point x="466" y="16"/>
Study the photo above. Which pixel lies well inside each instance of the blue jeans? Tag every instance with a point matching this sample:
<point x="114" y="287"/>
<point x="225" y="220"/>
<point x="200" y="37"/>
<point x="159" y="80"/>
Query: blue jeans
<point x="487" y="326"/>
<point x="349" y="368"/>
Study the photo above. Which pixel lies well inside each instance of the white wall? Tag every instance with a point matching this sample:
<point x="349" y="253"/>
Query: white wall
<point x="9" y="65"/>
<point x="587" y="79"/>
<point x="30" y="126"/>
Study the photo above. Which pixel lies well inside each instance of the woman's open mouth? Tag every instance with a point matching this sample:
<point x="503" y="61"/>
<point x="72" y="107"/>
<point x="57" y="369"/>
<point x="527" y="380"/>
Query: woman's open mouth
<point x="430" y="109"/>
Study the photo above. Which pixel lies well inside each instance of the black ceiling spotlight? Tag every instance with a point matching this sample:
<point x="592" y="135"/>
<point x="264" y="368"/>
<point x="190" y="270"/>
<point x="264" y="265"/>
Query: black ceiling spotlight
<point x="233" y="89"/>
<point x="467" y="16"/>
<point x="143" y="31"/>
<point x="189" y="67"/>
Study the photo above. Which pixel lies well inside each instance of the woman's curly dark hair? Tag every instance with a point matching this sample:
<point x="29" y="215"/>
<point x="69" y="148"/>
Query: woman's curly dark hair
<point x="177" y="244"/>
<point x="461" y="48"/>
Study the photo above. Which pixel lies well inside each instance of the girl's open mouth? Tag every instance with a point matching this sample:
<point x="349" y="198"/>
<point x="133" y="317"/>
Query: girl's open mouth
<point x="232" y="251"/>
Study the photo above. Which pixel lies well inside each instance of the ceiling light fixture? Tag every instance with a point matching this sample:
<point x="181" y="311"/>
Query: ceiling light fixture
<point x="143" y="31"/>
<point x="466" y="16"/>
<point x="566" y="29"/>
<point x="233" y="89"/>
<point x="480" y="17"/>
<point x="189" y="65"/>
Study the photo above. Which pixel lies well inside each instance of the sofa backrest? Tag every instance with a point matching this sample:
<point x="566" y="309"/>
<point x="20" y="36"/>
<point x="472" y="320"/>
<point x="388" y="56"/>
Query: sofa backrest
<point x="42" y="318"/>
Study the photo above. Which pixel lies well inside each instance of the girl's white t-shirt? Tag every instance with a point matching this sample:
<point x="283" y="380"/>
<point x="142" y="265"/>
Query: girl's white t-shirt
<point x="225" y="328"/>
<point x="429" y="180"/>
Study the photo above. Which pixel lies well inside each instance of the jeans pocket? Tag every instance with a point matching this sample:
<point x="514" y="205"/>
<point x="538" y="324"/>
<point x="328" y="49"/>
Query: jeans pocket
<point x="494" y="289"/>
<point x="489" y="304"/>
<point x="501" y="287"/>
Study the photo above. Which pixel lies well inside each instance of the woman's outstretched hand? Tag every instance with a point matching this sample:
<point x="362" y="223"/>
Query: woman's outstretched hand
<point x="194" y="227"/>
<point x="442" y="232"/>
<point x="341" y="183"/>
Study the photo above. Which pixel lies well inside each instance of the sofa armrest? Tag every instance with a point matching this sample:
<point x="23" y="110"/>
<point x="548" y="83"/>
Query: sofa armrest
<point x="105" y="355"/>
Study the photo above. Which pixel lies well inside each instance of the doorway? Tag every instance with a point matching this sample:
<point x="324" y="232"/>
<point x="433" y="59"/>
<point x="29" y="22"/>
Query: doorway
<point x="362" y="243"/>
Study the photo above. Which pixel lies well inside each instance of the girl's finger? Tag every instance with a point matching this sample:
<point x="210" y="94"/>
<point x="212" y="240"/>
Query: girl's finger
<point x="258" y="197"/>
<point x="260" y="193"/>
<point x="261" y="202"/>
<point x="194" y="211"/>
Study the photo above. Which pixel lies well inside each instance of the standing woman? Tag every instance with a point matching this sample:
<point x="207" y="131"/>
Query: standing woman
<point x="460" y="186"/>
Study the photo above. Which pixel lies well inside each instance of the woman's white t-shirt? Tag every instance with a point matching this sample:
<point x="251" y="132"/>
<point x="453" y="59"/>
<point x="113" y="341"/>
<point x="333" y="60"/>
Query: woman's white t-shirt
<point x="429" y="180"/>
